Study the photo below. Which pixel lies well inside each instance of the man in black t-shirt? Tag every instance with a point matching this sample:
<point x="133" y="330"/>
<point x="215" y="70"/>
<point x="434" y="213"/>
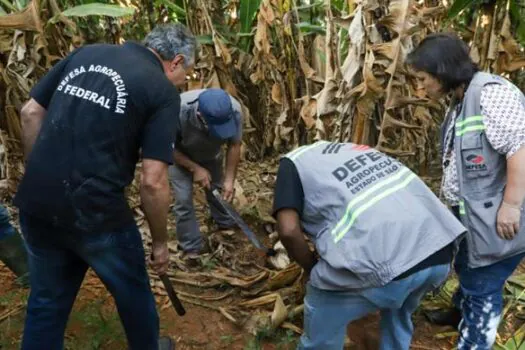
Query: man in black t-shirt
<point x="82" y="131"/>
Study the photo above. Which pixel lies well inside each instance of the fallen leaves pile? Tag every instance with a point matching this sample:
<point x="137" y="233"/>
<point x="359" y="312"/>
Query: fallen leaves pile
<point x="235" y="279"/>
<point x="258" y="295"/>
<point x="253" y="292"/>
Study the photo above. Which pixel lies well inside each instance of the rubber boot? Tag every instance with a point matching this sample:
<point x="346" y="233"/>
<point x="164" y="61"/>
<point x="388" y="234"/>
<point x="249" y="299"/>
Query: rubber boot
<point x="14" y="255"/>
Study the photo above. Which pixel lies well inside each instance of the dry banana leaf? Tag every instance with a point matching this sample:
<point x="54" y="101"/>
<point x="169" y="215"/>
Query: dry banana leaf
<point x="28" y="19"/>
<point x="279" y="314"/>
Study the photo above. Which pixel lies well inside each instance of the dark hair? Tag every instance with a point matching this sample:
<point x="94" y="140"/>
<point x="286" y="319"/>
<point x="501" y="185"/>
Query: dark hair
<point x="446" y="57"/>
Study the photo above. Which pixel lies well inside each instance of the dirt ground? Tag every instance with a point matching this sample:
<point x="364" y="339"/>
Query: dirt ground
<point x="94" y="324"/>
<point x="233" y="274"/>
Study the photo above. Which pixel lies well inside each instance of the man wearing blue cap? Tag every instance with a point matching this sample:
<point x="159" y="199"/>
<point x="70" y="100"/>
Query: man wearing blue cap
<point x="209" y="118"/>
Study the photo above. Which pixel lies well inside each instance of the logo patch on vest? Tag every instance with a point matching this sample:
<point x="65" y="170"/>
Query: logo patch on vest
<point x="333" y="148"/>
<point x="475" y="162"/>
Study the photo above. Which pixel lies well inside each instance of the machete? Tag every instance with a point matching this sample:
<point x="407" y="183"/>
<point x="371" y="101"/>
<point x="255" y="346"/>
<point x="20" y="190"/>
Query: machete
<point x="175" y="301"/>
<point x="241" y="224"/>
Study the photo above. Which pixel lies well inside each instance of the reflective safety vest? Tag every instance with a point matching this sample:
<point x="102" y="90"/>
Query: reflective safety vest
<point x="370" y="217"/>
<point x="482" y="174"/>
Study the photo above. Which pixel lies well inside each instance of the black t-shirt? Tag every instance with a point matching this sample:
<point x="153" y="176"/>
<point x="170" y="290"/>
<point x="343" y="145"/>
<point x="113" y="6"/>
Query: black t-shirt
<point x="105" y="104"/>
<point x="289" y="194"/>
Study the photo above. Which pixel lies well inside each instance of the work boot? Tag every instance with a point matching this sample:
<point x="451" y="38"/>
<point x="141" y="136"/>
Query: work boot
<point x="14" y="255"/>
<point x="166" y="343"/>
<point x="194" y="259"/>
<point x="448" y="317"/>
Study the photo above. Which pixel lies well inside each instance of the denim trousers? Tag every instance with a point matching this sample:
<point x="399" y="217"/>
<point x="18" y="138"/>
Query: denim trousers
<point x="480" y="299"/>
<point x="327" y="313"/>
<point x="6" y="229"/>
<point x="58" y="261"/>
<point x="187" y="226"/>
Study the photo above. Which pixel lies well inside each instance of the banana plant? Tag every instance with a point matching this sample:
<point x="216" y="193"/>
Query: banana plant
<point x="98" y="9"/>
<point x="247" y="12"/>
<point x="12" y="6"/>
<point x="516" y="8"/>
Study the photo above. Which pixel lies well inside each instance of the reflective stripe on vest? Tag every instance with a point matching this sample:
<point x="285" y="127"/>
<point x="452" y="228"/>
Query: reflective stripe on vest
<point x="296" y="153"/>
<point x="462" y="207"/>
<point x="473" y="123"/>
<point x="351" y="213"/>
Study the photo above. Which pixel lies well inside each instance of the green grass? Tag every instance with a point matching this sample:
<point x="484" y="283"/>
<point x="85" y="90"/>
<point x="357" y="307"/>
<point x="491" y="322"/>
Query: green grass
<point x="227" y="339"/>
<point x="14" y="297"/>
<point x="11" y="332"/>
<point x="103" y="327"/>
<point x="92" y="326"/>
<point x="11" y="328"/>
<point x="172" y="233"/>
<point x="253" y="344"/>
<point x="209" y="264"/>
<point x="288" y="340"/>
<point x="283" y="339"/>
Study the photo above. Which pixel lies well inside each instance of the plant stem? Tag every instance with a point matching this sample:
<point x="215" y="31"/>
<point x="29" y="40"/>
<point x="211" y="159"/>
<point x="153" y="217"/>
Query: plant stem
<point x="188" y="20"/>
<point x="9" y="6"/>
<point x="151" y="15"/>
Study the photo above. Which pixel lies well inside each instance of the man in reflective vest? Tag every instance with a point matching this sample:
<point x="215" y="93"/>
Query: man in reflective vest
<point x="383" y="239"/>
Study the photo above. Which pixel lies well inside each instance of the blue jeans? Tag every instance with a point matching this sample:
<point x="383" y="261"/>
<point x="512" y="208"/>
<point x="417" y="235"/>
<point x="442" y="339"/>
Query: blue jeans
<point x="480" y="299"/>
<point x="58" y="261"/>
<point x="188" y="231"/>
<point x="6" y="229"/>
<point x="327" y="313"/>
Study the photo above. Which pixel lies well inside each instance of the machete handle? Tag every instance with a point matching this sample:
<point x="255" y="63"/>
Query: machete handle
<point x="175" y="301"/>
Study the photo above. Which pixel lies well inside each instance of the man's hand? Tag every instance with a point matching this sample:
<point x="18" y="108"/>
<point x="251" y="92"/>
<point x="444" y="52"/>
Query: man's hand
<point x="233" y="156"/>
<point x="160" y="259"/>
<point x="291" y="235"/>
<point x="228" y="191"/>
<point x="202" y="177"/>
<point x="508" y="221"/>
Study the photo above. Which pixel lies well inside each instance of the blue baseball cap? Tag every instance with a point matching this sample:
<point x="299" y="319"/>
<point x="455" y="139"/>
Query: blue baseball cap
<point x="216" y="108"/>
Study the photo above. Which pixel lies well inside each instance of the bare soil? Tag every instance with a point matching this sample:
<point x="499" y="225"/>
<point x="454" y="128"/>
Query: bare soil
<point x="94" y="324"/>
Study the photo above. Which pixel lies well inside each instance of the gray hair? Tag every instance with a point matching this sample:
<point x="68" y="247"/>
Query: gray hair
<point x="170" y="40"/>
